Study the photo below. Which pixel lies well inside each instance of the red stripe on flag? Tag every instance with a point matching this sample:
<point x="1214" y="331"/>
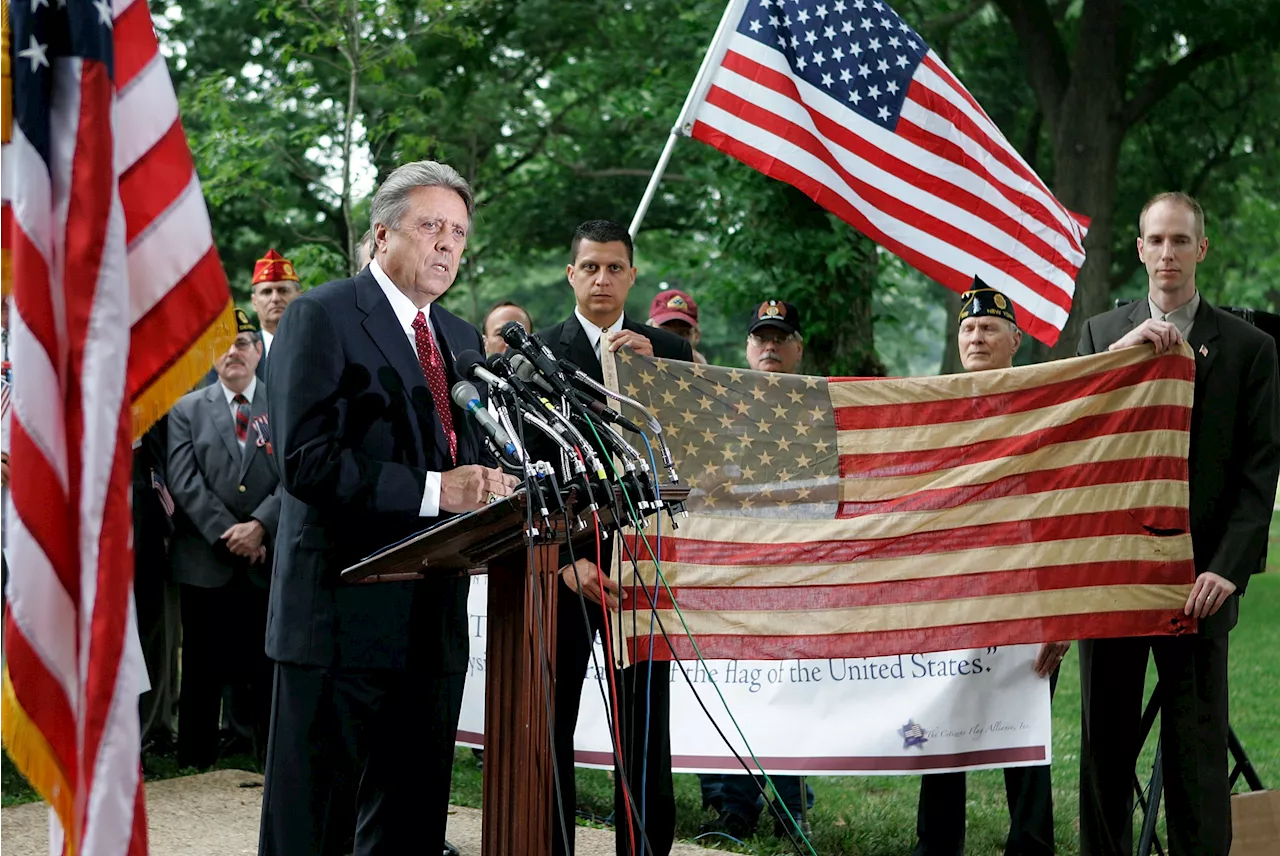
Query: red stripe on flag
<point x="176" y="323"/>
<point x="1024" y="484"/>
<point x="965" y="409"/>
<point x="859" y="146"/>
<point x="1095" y="426"/>
<point x="135" y="42"/>
<point x="925" y="221"/>
<point x="111" y="601"/>
<point x="155" y="180"/>
<point x="43" y="508"/>
<point x="920" y="590"/>
<point x="935" y="103"/>
<point x="138" y="841"/>
<point x="35" y="305"/>
<point x="1094" y="524"/>
<point x="41" y="696"/>
<point x="885" y="643"/>
<point x="770" y="165"/>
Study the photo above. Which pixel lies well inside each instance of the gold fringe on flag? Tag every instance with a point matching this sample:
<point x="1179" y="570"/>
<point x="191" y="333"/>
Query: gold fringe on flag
<point x="35" y="759"/>
<point x="154" y="402"/>
<point x="6" y="100"/>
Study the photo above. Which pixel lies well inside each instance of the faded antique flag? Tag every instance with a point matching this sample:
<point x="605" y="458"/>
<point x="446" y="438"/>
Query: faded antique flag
<point x="841" y="517"/>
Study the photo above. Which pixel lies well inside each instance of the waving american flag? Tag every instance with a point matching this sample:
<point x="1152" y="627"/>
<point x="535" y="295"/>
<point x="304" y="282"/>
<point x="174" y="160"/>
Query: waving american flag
<point x="845" y="101"/>
<point x="119" y="304"/>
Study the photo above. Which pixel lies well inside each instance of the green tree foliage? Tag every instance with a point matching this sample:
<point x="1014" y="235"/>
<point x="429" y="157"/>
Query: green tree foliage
<point x="556" y="110"/>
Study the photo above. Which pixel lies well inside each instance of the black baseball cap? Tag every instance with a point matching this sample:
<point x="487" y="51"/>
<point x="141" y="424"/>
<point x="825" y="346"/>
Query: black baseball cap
<point x="775" y="313"/>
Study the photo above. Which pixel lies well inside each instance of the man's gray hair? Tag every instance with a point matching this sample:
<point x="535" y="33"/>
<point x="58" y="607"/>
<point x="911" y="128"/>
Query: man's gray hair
<point x="392" y="198"/>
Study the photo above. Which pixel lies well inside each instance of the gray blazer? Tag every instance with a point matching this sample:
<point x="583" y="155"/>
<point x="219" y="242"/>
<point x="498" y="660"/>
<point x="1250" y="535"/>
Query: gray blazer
<point x="214" y="487"/>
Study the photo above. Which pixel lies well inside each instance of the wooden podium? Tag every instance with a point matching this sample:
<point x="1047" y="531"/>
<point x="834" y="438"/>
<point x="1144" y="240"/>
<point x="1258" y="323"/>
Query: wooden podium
<point x="519" y="799"/>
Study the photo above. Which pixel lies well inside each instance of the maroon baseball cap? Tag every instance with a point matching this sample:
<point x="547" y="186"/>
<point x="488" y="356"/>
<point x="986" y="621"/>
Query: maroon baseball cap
<point x="673" y="305"/>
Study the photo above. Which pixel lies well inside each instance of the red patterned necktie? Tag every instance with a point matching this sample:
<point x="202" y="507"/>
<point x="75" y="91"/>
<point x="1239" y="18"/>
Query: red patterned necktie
<point x="433" y="368"/>
<point x="242" y="417"/>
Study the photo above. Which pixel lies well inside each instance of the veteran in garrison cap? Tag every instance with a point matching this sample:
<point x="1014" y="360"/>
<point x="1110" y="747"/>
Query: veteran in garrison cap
<point x="275" y="285"/>
<point x="989" y="337"/>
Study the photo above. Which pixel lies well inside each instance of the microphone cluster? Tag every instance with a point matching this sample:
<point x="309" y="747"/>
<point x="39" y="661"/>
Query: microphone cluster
<point x="529" y="387"/>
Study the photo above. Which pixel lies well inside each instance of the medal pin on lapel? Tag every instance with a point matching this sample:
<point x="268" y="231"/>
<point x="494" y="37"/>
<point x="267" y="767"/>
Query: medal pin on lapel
<point x="1204" y="351"/>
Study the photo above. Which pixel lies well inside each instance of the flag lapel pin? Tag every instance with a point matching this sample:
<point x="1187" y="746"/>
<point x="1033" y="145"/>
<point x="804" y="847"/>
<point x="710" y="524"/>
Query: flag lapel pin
<point x="1204" y="351"/>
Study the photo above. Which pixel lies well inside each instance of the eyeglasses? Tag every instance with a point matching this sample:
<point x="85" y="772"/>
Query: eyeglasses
<point x="245" y="344"/>
<point x="763" y="341"/>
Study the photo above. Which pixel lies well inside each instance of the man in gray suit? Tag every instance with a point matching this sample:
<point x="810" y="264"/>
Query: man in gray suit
<point x="227" y="492"/>
<point x="1234" y="462"/>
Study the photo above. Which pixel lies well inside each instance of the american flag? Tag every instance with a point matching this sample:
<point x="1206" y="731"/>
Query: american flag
<point x="162" y="492"/>
<point x="837" y="517"/>
<point x="119" y="305"/>
<point x="845" y="101"/>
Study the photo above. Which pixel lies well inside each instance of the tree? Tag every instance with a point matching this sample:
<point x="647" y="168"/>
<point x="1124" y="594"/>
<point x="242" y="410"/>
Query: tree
<point x="1099" y="68"/>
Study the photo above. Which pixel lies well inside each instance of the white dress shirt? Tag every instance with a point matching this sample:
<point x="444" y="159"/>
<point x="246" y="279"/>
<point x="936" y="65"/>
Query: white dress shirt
<point x="230" y="396"/>
<point x="405" y="313"/>
<point x="595" y="333"/>
<point x="267" y="339"/>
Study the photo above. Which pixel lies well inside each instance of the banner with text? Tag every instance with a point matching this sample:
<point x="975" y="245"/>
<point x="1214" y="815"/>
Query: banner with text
<point x="905" y="714"/>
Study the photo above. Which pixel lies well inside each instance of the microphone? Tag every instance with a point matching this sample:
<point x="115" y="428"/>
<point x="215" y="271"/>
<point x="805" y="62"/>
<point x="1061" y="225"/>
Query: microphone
<point x="466" y="396"/>
<point x="528" y="373"/>
<point x="471" y="365"/>
<point x="538" y="353"/>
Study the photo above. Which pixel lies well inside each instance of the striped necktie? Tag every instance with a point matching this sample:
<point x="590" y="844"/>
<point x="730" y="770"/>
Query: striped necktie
<point x="242" y="417"/>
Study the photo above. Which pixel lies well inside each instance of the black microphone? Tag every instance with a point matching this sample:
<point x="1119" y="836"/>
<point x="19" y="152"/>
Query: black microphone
<point x="470" y="364"/>
<point x="538" y="353"/>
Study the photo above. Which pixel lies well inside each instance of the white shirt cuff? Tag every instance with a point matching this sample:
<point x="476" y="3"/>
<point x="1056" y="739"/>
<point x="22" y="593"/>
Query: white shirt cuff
<point x="431" y="497"/>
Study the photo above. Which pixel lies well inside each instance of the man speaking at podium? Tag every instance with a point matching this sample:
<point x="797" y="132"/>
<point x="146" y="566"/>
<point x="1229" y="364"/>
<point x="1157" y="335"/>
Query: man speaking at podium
<point x="368" y="678"/>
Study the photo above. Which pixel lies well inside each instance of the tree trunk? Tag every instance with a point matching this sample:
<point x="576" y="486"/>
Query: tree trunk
<point x="352" y="54"/>
<point x="951" y="351"/>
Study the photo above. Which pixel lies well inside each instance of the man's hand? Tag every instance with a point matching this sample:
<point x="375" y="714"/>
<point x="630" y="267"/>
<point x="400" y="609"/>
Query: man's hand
<point x="469" y="487"/>
<point x="4" y="469"/>
<point x="1208" y="595"/>
<point x="632" y="339"/>
<point x="1162" y="334"/>
<point x="1051" y="654"/>
<point x="245" y="539"/>
<point x="584" y="578"/>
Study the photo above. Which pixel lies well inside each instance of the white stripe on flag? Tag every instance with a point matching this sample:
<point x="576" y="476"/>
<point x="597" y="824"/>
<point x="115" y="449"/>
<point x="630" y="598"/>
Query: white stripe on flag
<point x="166" y="251"/>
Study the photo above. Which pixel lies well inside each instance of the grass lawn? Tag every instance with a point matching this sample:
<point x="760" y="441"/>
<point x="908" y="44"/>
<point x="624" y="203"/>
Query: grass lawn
<point x="875" y="816"/>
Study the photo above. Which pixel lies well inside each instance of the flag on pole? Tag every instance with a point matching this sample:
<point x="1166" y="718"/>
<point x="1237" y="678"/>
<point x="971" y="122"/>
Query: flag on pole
<point x="835" y="517"/>
<point x="119" y="305"/>
<point x="845" y="101"/>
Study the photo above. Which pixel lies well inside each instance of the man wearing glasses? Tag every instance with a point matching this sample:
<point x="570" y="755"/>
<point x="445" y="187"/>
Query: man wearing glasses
<point x="226" y="490"/>
<point x="775" y="342"/>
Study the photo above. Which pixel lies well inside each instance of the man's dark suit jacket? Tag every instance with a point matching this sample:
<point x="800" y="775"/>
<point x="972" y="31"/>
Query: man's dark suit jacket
<point x="355" y="433"/>
<point x="215" y="485"/>
<point x="1235" y="440"/>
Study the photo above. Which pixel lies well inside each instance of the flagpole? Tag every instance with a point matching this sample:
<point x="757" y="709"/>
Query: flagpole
<point x="683" y="125"/>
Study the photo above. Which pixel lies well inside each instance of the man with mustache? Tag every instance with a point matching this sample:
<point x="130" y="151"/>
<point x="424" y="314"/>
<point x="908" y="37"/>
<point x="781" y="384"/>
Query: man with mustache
<point x="1234" y="461"/>
<point x="601" y="273"/>
<point x="775" y="343"/>
<point x="227" y="496"/>
<point x="989" y="338"/>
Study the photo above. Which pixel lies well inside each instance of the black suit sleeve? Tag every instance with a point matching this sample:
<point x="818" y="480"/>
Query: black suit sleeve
<point x="310" y="403"/>
<point x="1086" y="345"/>
<point x="1258" y="434"/>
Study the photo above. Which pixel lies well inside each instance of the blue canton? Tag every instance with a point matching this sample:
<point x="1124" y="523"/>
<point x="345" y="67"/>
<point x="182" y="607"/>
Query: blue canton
<point x="859" y="52"/>
<point x="43" y="32"/>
